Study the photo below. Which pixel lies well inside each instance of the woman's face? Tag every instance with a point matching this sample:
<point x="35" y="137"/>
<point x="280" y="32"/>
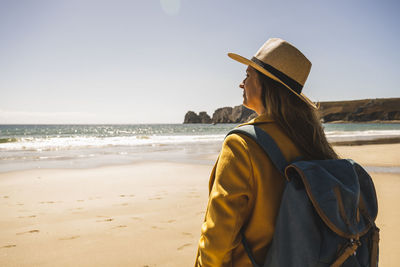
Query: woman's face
<point x="252" y="91"/>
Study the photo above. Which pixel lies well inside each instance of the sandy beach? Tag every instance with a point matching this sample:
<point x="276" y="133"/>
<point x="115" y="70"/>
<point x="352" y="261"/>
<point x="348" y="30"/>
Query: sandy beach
<point x="142" y="214"/>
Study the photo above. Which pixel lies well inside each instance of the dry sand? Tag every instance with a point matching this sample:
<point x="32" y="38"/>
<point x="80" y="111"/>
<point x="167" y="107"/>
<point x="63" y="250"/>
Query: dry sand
<point x="372" y="155"/>
<point x="144" y="214"/>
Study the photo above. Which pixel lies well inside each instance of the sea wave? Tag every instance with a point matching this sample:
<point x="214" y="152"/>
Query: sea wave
<point x="60" y="143"/>
<point x="8" y="140"/>
<point x="79" y="142"/>
<point x="53" y="148"/>
<point x="361" y="135"/>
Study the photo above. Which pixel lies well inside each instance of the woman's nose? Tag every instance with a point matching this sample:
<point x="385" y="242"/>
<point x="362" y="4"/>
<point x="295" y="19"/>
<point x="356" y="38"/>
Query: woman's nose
<point x="241" y="85"/>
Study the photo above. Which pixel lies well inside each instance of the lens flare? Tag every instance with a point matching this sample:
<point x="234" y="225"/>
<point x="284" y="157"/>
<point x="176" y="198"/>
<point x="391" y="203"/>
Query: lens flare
<point x="171" y="7"/>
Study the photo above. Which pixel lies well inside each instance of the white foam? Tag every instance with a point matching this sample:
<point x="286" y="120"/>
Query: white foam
<point x="87" y="142"/>
<point x="67" y="143"/>
<point x="361" y="135"/>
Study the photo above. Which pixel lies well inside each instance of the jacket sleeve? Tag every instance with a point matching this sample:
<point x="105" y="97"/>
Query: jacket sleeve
<point x="228" y="206"/>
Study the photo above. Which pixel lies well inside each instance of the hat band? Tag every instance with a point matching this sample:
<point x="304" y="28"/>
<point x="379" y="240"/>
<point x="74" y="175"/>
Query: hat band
<point x="295" y="86"/>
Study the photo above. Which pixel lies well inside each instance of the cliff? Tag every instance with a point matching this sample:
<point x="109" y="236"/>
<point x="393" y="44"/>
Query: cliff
<point x="236" y="114"/>
<point x="366" y="110"/>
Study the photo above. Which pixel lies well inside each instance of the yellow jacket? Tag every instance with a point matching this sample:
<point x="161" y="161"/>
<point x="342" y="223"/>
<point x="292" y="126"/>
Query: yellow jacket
<point x="245" y="191"/>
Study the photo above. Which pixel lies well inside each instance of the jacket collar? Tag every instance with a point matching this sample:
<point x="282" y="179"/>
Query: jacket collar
<point x="263" y="118"/>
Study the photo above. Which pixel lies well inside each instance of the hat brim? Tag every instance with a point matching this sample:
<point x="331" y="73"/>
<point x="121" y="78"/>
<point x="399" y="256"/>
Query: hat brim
<point x="248" y="62"/>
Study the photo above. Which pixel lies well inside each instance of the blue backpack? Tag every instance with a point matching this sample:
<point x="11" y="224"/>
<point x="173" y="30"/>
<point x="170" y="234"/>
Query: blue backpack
<point x="327" y="213"/>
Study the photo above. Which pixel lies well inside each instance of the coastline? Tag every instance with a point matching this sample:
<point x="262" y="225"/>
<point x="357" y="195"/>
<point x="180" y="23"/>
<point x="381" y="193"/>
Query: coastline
<point x="366" y="122"/>
<point x="147" y="213"/>
<point x="387" y="140"/>
<point x="204" y="154"/>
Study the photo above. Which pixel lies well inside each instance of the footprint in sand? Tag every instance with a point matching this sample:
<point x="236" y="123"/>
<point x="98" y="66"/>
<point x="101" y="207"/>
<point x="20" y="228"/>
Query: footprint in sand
<point x="127" y="195"/>
<point x="105" y="220"/>
<point x="32" y="216"/>
<point x="93" y="198"/>
<point x="77" y="212"/>
<point x="159" y="195"/>
<point x="193" y="194"/>
<point x="6" y="197"/>
<point x="183" y="246"/>
<point x="122" y="204"/>
<point x="187" y="234"/>
<point x="24" y="211"/>
<point x="79" y="208"/>
<point x="9" y="246"/>
<point x="28" y="232"/>
<point x="69" y="237"/>
<point x="137" y="218"/>
<point x="155" y="198"/>
<point x="169" y="221"/>
<point x="80" y="200"/>
<point x="47" y="202"/>
<point x="157" y="228"/>
<point x="119" y="226"/>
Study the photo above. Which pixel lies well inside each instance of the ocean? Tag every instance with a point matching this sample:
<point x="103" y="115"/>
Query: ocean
<point x="83" y="146"/>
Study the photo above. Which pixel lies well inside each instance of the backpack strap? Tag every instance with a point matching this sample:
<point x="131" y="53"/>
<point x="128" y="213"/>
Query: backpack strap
<point x="351" y="248"/>
<point x="375" y="233"/>
<point x="270" y="147"/>
<point x="248" y="250"/>
<point x="266" y="142"/>
<point x="354" y="245"/>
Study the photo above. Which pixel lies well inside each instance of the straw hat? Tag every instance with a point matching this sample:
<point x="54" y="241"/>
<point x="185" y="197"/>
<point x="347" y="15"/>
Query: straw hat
<point x="283" y="63"/>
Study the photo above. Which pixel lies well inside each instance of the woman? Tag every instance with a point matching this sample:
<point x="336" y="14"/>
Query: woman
<point x="245" y="187"/>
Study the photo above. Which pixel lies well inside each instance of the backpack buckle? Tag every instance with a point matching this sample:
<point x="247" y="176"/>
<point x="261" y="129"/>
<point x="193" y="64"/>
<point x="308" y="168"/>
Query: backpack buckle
<point x="354" y="243"/>
<point x="349" y="250"/>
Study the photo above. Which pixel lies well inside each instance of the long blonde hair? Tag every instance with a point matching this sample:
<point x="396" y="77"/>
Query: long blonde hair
<point x="297" y="119"/>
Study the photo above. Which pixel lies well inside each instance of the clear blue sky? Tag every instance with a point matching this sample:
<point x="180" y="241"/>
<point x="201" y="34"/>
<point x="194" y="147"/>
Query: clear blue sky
<point x="150" y="61"/>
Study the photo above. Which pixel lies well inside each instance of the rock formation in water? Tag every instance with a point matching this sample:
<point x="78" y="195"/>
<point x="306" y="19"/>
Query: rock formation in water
<point x="236" y="114"/>
<point x="222" y="115"/>
<point x="366" y="110"/>
<point x="192" y="117"/>
<point x="204" y="117"/>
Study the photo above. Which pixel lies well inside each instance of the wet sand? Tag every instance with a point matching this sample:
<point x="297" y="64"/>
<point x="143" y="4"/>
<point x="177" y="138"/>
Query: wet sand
<point x="143" y="214"/>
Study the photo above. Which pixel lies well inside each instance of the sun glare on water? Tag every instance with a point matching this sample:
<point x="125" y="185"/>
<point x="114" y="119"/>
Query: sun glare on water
<point x="171" y="7"/>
